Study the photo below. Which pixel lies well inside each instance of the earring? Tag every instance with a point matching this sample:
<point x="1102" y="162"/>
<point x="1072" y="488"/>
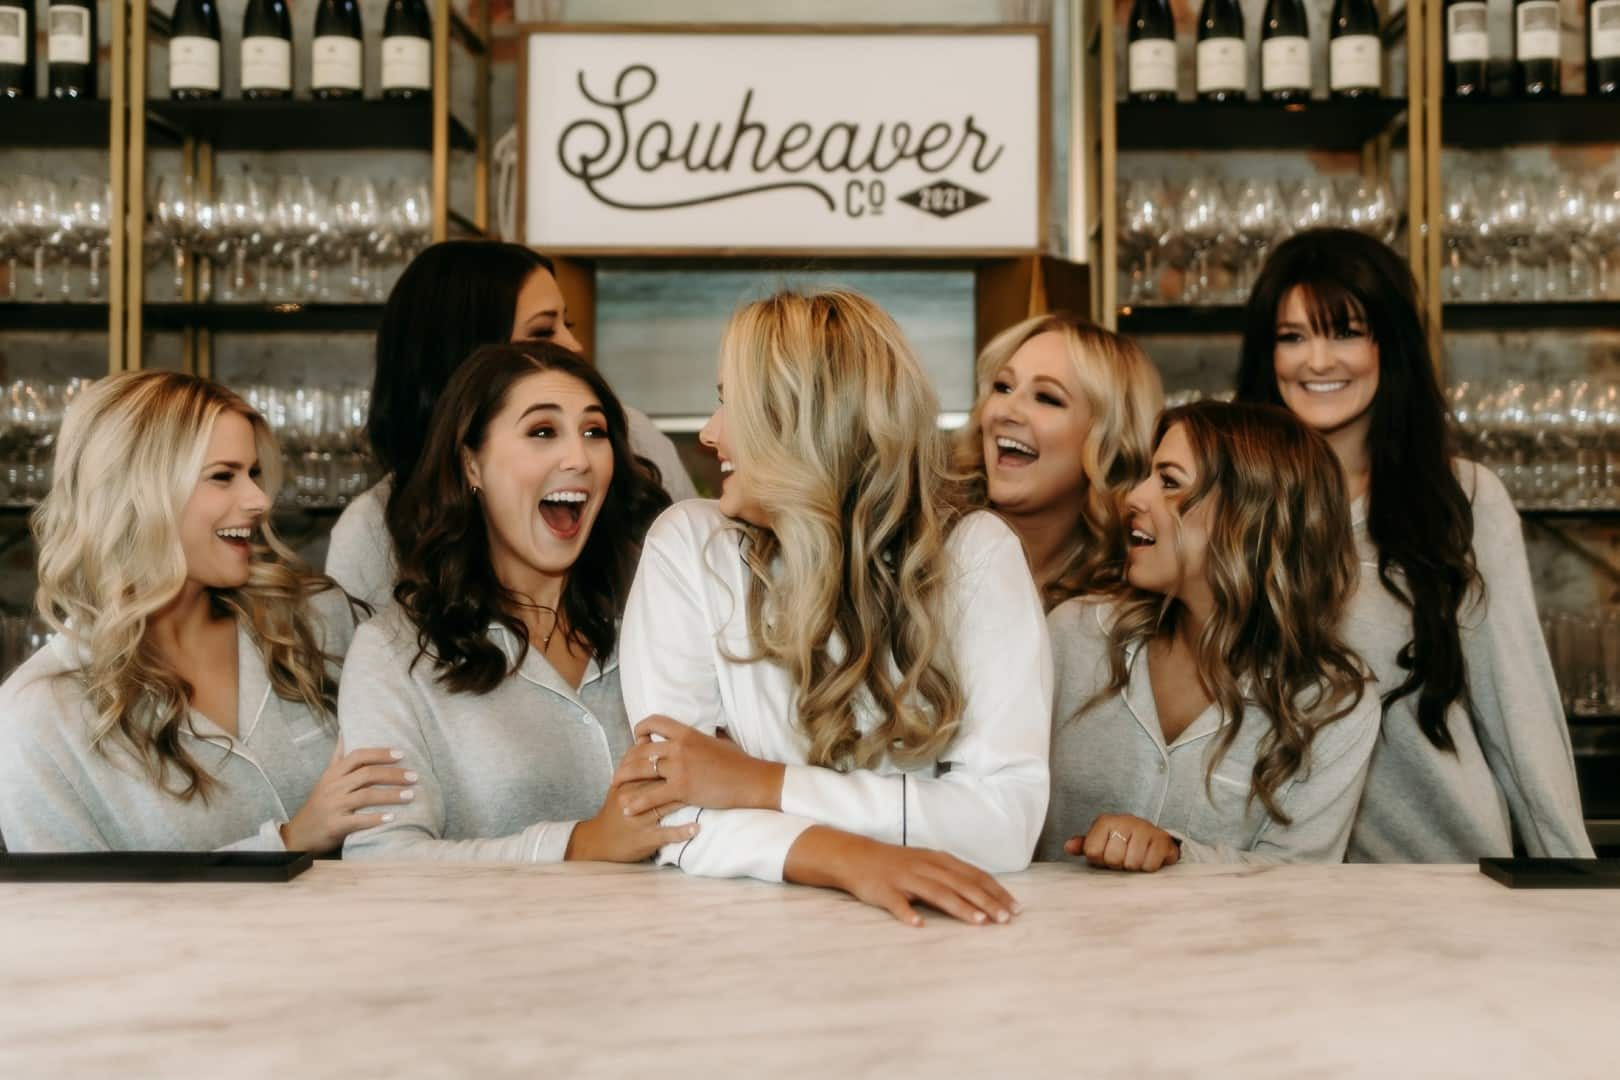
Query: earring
<point x="476" y="490"/>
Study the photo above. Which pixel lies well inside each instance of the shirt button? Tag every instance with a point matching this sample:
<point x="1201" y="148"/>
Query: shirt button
<point x="1161" y="765"/>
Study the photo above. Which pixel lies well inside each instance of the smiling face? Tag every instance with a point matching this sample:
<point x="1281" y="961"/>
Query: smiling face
<point x="736" y="501"/>
<point x="543" y="470"/>
<point x="1035" y="420"/>
<point x="1327" y="379"/>
<point x="221" y="518"/>
<point x="1169" y="548"/>
<point x="542" y="313"/>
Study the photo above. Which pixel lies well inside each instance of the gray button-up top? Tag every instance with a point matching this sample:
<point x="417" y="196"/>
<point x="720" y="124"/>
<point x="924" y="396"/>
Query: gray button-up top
<point x="503" y="776"/>
<point x="1109" y="756"/>
<point x="60" y="793"/>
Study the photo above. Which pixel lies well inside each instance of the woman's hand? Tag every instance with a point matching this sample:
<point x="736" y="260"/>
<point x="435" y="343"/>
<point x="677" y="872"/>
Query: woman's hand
<point x="368" y="777"/>
<point x="891" y="877"/>
<point x="617" y="835"/>
<point x="690" y="767"/>
<point x="1123" y="842"/>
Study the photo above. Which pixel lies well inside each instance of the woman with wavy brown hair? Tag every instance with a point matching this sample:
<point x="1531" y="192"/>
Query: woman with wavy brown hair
<point x="1061" y="430"/>
<point x="497" y="670"/>
<point x="1215" y="712"/>
<point x="188" y="700"/>
<point x="874" y="653"/>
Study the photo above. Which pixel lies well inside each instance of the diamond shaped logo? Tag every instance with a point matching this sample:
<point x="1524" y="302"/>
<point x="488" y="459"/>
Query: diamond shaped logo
<point x="943" y="199"/>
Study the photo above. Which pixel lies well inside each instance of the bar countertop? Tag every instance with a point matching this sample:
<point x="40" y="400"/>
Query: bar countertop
<point x="368" y="970"/>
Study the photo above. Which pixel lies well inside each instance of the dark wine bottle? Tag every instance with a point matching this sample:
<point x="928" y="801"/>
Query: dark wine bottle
<point x="407" y="50"/>
<point x="194" y="50"/>
<point x="1535" y="46"/>
<point x="266" y="50"/>
<point x="1355" y="50"/>
<point x="16" y="48"/>
<point x="1150" y="60"/>
<point x="71" y="47"/>
<point x="1285" y="52"/>
<point x="338" y="61"/>
<point x="1223" y="69"/>
<point x="1468" y="49"/>
<point x="1603" y="48"/>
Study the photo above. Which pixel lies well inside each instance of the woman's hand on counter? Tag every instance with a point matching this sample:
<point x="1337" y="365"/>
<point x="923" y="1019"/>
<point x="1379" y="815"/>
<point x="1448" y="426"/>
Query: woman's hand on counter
<point x="370" y="777"/>
<point x="687" y="766"/>
<point x="616" y="834"/>
<point x="1125" y="842"/>
<point x="893" y="878"/>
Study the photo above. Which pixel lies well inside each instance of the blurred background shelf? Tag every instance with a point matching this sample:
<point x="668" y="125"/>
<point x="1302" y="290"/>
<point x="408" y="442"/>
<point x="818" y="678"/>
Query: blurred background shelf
<point x="296" y="124"/>
<point x="1570" y="315"/>
<point x="263" y="318"/>
<point x="56" y="125"/>
<point x="1498" y="122"/>
<point x="1255" y="125"/>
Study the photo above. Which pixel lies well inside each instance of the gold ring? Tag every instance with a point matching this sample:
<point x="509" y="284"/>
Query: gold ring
<point x="655" y="766"/>
<point x="1111" y="832"/>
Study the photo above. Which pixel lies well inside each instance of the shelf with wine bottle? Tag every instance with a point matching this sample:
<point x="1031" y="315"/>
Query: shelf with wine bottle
<point x="55" y="125"/>
<point x="1332" y="124"/>
<point x="1493" y="123"/>
<point x="294" y="124"/>
<point x="1565" y="315"/>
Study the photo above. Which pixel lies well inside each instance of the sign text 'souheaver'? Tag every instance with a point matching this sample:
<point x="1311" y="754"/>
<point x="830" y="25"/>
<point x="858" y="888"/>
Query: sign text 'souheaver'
<point x="783" y="142"/>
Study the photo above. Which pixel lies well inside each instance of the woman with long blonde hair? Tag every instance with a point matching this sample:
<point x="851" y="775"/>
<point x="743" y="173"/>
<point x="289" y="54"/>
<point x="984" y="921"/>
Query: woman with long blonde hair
<point x="188" y="699"/>
<point x="836" y="666"/>
<point x="1061" y="429"/>
<point x="1215" y="713"/>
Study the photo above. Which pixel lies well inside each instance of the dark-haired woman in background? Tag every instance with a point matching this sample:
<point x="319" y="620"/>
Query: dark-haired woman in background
<point x="1475" y="751"/>
<point x="453" y="298"/>
<point x="496" y="672"/>
<point x="1214" y="712"/>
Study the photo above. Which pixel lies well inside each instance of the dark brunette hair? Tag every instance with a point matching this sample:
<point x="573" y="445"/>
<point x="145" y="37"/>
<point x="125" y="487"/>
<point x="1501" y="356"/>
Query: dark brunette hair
<point x="1418" y="516"/>
<point x="447" y="585"/>
<point x="453" y="297"/>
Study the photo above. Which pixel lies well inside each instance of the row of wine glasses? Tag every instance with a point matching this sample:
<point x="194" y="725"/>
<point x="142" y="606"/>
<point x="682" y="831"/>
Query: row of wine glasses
<point x="322" y="435"/>
<point x="20" y="637"/>
<point x="1585" y="650"/>
<point x="1212" y="236"/>
<point x="30" y="415"/>
<point x="1554" y="444"/>
<point x="54" y="226"/>
<point x="288" y="238"/>
<point x="1522" y="238"/>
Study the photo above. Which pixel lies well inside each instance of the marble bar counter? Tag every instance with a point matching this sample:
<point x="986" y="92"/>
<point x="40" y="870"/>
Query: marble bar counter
<point x="376" y="971"/>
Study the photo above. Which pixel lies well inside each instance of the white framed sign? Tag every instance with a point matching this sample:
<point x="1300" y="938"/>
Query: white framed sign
<point x="822" y="141"/>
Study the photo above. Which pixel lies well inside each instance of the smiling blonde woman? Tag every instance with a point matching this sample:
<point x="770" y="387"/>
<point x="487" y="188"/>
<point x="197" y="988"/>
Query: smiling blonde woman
<point x="188" y="699"/>
<point x="1061" y="429"/>
<point x="876" y="655"/>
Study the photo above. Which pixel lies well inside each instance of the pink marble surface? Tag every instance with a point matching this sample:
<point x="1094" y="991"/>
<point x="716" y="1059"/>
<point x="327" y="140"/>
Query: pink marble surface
<point x="388" y="971"/>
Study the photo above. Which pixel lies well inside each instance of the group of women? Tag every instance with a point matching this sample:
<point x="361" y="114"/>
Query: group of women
<point x="1292" y="627"/>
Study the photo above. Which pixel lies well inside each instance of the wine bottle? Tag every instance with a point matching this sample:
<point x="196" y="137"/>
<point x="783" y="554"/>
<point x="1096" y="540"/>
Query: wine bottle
<point x="194" y="50"/>
<point x="1150" y="60"/>
<point x="407" y="50"/>
<point x="1468" y="49"/>
<point x="1355" y="50"/>
<point x="16" y="48"/>
<point x="1535" y="46"/>
<point x="70" y="49"/>
<point x="266" y="50"/>
<point x="337" y="60"/>
<point x="1285" y="52"/>
<point x="1223" y="70"/>
<point x="1603" y="48"/>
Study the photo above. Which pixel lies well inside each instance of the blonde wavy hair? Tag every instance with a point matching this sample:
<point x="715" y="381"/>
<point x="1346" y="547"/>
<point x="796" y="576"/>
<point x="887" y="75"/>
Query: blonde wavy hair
<point x="1123" y="395"/>
<point x="130" y="451"/>
<point x="835" y="425"/>
<point x="1281" y="565"/>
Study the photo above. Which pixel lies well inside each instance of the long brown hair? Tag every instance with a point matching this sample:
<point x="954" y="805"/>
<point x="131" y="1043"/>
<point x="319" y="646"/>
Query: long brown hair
<point x="1282" y="567"/>
<point x="447" y="585"/>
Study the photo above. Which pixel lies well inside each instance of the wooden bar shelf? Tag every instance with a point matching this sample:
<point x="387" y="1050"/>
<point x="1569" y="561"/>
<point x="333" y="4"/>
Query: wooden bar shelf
<point x="294" y="124"/>
<point x="1256" y="125"/>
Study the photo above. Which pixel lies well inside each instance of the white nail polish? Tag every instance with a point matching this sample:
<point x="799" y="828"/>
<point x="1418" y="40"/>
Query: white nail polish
<point x="387" y="818"/>
<point x="410" y="778"/>
<point x="397" y="755"/>
<point x="407" y="795"/>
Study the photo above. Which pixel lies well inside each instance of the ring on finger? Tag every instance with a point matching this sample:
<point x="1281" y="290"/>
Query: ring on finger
<point x="654" y="759"/>
<point x="1115" y="834"/>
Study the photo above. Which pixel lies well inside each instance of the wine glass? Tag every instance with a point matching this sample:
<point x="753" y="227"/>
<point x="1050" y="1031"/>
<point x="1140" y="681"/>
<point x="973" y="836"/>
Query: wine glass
<point x="1568" y="223"/>
<point x="242" y="221"/>
<point x="1604" y="236"/>
<point x="37" y="221"/>
<point x="1370" y="208"/>
<point x="1143" y="225"/>
<point x="1459" y="224"/>
<point x="355" y="216"/>
<point x="1258" y="208"/>
<point x="1312" y="206"/>
<point x="1202" y="216"/>
<point x="85" y="228"/>
<point x="1516" y="217"/>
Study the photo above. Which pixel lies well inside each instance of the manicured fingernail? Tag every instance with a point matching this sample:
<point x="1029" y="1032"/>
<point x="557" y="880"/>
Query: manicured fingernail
<point x="407" y="795"/>
<point x="978" y="916"/>
<point x="410" y="778"/>
<point x="1003" y="916"/>
<point x="691" y="830"/>
<point x="387" y="818"/>
<point x="396" y="754"/>
<point x="1017" y="908"/>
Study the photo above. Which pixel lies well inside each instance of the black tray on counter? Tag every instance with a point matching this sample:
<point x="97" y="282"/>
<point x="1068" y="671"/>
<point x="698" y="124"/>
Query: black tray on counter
<point x="1553" y="873"/>
<point x="154" y="866"/>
